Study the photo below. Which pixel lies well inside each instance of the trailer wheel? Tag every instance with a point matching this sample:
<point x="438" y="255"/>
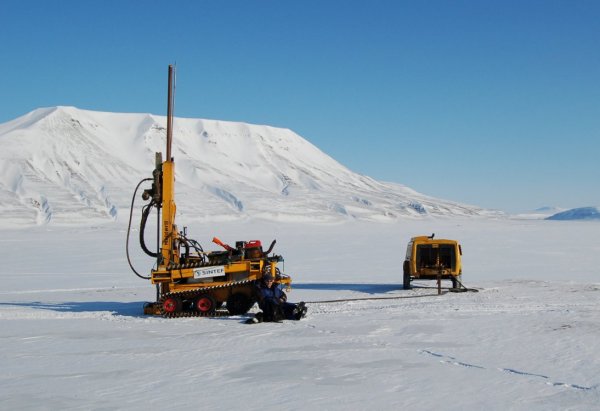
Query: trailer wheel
<point x="406" y="282"/>
<point x="238" y="304"/>
<point x="205" y="304"/>
<point x="456" y="282"/>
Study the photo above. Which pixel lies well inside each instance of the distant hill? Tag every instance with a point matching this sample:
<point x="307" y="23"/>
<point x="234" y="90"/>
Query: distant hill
<point x="583" y="213"/>
<point x="549" y="210"/>
<point x="540" y="213"/>
<point x="70" y="166"/>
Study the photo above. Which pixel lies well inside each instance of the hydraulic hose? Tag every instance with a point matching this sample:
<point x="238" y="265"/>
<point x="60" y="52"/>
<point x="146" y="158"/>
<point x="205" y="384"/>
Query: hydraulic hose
<point x="270" y="247"/>
<point x="129" y="229"/>
<point x="145" y="213"/>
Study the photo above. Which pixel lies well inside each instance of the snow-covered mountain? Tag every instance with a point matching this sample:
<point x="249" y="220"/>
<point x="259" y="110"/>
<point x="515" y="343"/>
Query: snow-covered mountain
<point x="70" y="166"/>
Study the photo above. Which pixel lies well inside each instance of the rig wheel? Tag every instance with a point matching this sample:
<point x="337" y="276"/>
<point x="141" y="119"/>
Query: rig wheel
<point x="171" y="305"/>
<point x="205" y="304"/>
<point x="239" y="303"/>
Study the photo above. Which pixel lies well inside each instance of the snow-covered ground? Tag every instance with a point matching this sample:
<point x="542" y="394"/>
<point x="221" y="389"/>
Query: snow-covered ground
<point x="73" y="335"/>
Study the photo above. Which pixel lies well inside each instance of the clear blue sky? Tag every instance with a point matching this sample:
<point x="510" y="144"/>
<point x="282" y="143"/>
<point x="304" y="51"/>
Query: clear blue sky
<point x="492" y="103"/>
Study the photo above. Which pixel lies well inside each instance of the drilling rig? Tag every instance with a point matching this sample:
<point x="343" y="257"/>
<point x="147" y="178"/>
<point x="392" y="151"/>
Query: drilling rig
<point x="188" y="280"/>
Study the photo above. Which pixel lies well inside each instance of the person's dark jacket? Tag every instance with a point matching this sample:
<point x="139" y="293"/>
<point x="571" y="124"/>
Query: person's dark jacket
<point x="273" y="295"/>
<point x="272" y="301"/>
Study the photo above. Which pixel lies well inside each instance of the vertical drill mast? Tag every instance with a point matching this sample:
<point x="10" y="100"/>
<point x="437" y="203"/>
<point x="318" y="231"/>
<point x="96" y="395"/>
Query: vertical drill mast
<point x="171" y="96"/>
<point x="169" y="229"/>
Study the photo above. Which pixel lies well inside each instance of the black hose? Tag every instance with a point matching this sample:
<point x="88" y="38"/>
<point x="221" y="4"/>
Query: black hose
<point x="270" y="247"/>
<point x="145" y="213"/>
<point x="462" y="289"/>
<point x="399" y="297"/>
<point x="189" y="243"/>
<point x="129" y="229"/>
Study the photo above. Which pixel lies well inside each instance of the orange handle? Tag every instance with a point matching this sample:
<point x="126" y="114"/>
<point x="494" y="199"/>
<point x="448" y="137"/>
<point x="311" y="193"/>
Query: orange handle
<point x="222" y="244"/>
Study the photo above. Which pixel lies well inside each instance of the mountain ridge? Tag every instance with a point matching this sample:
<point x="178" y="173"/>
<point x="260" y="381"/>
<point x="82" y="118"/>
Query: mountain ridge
<point x="70" y="166"/>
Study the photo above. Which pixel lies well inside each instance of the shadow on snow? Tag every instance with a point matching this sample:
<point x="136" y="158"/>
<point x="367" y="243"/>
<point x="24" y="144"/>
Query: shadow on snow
<point x="129" y="309"/>
<point x="136" y="308"/>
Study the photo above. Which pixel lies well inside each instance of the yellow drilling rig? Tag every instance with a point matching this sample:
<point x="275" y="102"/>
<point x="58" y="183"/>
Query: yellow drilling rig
<point x="188" y="280"/>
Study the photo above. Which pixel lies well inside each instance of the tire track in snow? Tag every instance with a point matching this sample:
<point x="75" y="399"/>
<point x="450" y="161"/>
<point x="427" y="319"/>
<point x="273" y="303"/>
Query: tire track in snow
<point x="447" y="359"/>
<point x="451" y="360"/>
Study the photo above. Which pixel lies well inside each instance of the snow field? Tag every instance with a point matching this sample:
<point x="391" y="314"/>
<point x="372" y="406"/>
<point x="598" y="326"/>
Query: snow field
<point x="74" y="337"/>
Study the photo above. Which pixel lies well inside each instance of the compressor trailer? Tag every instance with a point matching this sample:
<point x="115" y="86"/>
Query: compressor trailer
<point x="188" y="280"/>
<point x="433" y="259"/>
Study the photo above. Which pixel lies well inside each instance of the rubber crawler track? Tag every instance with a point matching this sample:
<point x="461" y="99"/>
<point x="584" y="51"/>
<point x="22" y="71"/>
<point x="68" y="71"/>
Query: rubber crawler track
<point x="186" y="295"/>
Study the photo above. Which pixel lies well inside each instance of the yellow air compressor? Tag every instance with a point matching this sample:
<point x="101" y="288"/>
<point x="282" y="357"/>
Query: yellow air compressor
<point x="431" y="259"/>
